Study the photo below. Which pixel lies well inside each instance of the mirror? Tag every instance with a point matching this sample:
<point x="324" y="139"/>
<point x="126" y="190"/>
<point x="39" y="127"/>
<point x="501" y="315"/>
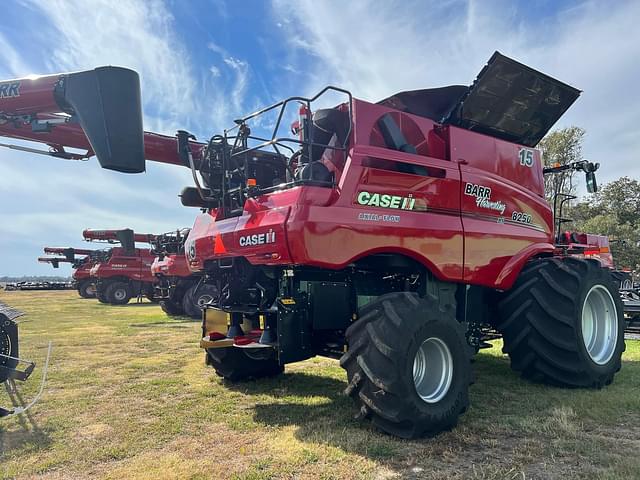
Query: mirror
<point x="592" y="185"/>
<point x="190" y="197"/>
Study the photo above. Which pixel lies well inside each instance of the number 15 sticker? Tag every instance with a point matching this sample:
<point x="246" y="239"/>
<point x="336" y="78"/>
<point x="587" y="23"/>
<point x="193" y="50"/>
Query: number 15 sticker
<point x="526" y="157"/>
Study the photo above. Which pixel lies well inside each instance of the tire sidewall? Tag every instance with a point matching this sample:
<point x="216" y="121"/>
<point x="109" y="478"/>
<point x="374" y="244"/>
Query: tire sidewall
<point x="598" y="276"/>
<point x="116" y="286"/>
<point x="456" y="395"/>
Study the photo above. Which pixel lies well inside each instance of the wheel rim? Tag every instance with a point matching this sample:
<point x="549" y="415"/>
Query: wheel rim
<point x="599" y="324"/>
<point x="432" y="370"/>
<point x="204" y="299"/>
<point x="90" y="290"/>
<point x="120" y="294"/>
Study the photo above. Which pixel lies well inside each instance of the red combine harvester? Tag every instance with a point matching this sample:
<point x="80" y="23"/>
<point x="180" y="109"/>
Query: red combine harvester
<point x="81" y="266"/>
<point x="176" y="286"/>
<point x="125" y="271"/>
<point x="393" y="236"/>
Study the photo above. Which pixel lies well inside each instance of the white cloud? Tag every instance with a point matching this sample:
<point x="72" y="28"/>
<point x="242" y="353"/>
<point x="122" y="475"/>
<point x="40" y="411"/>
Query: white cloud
<point x="11" y="60"/>
<point x="378" y="50"/>
<point x="138" y="35"/>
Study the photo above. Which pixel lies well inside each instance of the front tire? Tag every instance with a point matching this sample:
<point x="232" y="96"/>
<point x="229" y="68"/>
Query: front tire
<point x="118" y="293"/>
<point x="562" y="323"/>
<point x="408" y="363"/>
<point x="170" y="307"/>
<point x="87" y="289"/>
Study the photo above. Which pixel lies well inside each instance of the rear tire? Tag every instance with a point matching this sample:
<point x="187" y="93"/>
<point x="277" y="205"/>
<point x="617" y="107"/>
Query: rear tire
<point x="622" y="279"/>
<point x="196" y="297"/>
<point x="397" y="336"/>
<point x="187" y="303"/>
<point x="562" y="323"/>
<point x="171" y="308"/>
<point x="101" y="293"/>
<point x="118" y="293"/>
<point x="87" y="289"/>
<point x="236" y="364"/>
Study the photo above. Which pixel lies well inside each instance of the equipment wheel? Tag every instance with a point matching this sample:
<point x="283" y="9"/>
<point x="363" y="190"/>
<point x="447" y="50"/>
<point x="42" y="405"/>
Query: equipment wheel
<point x="118" y="293"/>
<point x="408" y="362"/>
<point x="562" y="323"/>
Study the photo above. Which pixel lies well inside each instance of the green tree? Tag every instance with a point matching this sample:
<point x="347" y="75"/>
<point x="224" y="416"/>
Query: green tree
<point x="561" y="147"/>
<point x="614" y="211"/>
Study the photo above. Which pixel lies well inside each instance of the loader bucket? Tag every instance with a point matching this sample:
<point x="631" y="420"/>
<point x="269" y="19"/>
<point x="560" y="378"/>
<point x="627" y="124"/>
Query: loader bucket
<point x="106" y="102"/>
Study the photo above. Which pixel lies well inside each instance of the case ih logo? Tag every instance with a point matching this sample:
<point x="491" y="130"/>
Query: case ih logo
<point x="8" y="90"/>
<point x="258" y="239"/>
<point x="385" y="201"/>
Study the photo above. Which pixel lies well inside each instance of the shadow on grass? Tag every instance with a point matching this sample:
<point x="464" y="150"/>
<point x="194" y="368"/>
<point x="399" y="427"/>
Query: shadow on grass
<point x="177" y="323"/>
<point x="316" y="405"/>
<point x="29" y="435"/>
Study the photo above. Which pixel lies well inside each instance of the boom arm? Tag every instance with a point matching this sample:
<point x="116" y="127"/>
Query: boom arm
<point x="55" y="261"/>
<point x="98" y="111"/>
<point x="117" y="235"/>
<point x="67" y="251"/>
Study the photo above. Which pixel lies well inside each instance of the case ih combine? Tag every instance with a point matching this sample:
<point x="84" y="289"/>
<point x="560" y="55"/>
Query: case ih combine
<point x="123" y="272"/>
<point x="180" y="290"/>
<point x="81" y="266"/>
<point x="391" y="236"/>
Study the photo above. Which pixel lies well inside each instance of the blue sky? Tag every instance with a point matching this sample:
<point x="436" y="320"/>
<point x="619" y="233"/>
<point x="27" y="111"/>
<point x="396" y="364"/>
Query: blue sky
<point x="202" y="63"/>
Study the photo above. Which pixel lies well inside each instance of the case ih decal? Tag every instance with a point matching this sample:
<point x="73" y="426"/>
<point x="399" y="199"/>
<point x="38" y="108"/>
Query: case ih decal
<point x="10" y="89"/>
<point x="385" y="201"/>
<point x="483" y="197"/>
<point x="258" y="239"/>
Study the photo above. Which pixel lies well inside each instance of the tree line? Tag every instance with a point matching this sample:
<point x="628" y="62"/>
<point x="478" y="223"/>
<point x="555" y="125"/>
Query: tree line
<point x="613" y="211"/>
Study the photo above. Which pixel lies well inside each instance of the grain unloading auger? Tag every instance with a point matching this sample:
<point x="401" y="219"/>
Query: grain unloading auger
<point x="96" y="111"/>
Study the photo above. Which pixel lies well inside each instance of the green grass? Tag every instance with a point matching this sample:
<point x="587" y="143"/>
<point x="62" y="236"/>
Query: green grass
<point x="129" y="397"/>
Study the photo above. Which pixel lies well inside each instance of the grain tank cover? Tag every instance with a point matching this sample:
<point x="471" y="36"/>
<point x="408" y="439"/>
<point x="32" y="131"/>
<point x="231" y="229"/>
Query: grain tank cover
<point x="508" y="100"/>
<point x="513" y="102"/>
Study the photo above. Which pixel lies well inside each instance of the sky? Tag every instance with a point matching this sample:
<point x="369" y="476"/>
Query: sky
<point x="205" y="62"/>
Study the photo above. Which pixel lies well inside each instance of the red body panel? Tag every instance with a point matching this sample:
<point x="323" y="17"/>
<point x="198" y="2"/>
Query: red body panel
<point x="82" y="272"/>
<point x="483" y="237"/>
<point x="136" y="267"/>
<point x="173" y="265"/>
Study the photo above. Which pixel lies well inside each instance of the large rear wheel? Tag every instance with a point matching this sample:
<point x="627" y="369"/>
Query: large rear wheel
<point x="408" y="362"/>
<point x="562" y="323"/>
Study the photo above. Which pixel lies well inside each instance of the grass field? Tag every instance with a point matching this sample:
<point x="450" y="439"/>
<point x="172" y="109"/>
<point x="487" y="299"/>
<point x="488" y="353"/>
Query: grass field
<point x="129" y="397"/>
